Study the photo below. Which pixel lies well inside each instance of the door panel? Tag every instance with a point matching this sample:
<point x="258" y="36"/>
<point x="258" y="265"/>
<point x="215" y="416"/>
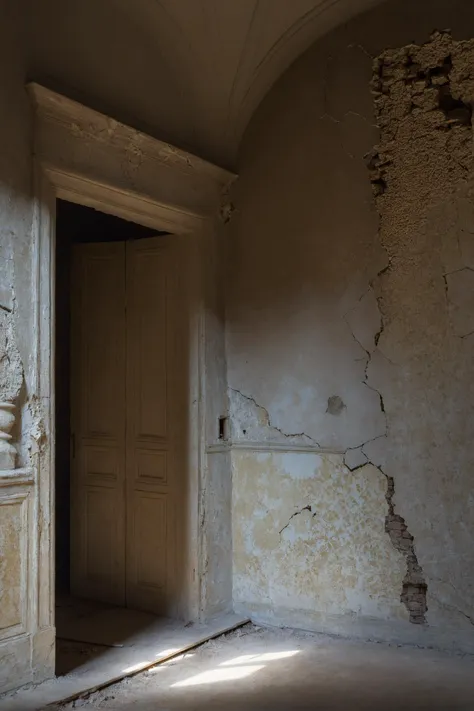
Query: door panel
<point x="98" y="422"/>
<point x="124" y="376"/>
<point x="150" y="452"/>
<point x="148" y="546"/>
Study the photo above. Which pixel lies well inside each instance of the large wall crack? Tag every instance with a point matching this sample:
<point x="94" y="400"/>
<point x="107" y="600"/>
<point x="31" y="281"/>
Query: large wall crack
<point x="414" y="587"/>
<point x="355" y="457"/>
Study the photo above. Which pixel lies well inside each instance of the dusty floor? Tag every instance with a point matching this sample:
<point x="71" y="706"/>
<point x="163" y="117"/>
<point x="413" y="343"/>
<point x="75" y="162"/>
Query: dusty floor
<point x="97" y="644"/>
<point x="256" y="668"/>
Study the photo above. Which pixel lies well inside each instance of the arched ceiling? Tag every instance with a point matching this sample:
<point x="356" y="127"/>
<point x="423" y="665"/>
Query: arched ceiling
<point x="191" y="71"/>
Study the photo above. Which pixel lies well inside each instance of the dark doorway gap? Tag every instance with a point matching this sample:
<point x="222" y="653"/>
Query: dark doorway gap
<point x="74" y="224"/>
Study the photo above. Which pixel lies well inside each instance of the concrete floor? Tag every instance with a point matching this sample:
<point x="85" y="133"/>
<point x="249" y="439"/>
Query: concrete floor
<point x="256" y="668"/>
<point x="99" y="644"/>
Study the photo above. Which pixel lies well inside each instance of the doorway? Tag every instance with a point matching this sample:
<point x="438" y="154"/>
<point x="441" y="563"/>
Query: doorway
<point x="118" y="468"/>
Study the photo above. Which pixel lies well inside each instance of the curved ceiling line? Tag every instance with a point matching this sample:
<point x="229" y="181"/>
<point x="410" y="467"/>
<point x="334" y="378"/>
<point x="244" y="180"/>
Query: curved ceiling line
<point x="210" y="22"/>
<point x="291" y="32"/>
<point x="242" y="54"/>
<point x="276" y="50"/>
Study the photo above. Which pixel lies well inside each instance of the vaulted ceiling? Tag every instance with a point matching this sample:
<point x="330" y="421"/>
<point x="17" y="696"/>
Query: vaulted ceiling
<point x="189" y="71"/>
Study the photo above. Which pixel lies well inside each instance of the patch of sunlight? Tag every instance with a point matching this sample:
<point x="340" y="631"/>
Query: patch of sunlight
<point x="167" y="652"/>
<point x="215" y="675"/>
<point x="154" y="670"/>
<point x="239" y="660"/>
<point x="136" y="667"/>
<point x="270" y="656"/>
<point x="264" y="657"/>
<point x="176" y="659"/>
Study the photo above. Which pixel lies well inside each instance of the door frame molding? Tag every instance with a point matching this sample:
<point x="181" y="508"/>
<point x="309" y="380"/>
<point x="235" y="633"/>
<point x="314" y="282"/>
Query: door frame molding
<point x="86" y="157"/>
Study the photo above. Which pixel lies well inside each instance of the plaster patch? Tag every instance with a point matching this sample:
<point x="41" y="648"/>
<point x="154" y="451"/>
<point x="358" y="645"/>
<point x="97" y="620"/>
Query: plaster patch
<point x="335" y="405"/>
<point x="301" y="467"/>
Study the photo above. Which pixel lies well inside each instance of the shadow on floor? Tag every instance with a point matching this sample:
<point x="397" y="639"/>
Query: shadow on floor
<point x="87" y="630"/>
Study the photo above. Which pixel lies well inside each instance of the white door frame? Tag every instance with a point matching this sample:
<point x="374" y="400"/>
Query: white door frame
<point x="88" y="158"/>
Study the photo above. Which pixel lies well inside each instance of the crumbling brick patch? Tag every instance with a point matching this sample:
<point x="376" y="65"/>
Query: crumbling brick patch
<point x="414" y="586"/>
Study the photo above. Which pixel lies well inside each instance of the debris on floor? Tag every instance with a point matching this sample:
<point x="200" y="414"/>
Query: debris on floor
<point x="258" y="668"/>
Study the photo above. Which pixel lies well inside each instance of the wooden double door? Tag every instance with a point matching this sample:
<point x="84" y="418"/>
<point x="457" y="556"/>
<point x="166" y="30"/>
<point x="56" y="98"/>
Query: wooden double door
<point x="125" y="469"/>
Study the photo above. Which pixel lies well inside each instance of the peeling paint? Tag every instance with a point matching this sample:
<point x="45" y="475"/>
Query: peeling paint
<point x="251" y="421"/>
<point x="316" y="542"/>
<point x="11" y="367"/>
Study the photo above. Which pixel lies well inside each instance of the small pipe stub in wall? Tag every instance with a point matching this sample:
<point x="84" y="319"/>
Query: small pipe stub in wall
<point x="223" y="428"/>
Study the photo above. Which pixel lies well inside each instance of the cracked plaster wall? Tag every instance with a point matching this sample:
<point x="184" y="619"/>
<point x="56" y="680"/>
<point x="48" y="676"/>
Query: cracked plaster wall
<point x="17" y="357"/>
<point x="16" y="327"/>
<point x="349" y="321"/>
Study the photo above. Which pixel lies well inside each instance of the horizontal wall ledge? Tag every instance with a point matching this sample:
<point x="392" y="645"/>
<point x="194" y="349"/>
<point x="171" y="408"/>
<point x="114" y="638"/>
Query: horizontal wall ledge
<point x="271" y="447"/>
<point x="15" y="477"/>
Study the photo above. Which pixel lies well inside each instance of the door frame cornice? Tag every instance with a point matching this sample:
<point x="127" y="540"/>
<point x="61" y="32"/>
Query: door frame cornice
<point x="86" y="157"/>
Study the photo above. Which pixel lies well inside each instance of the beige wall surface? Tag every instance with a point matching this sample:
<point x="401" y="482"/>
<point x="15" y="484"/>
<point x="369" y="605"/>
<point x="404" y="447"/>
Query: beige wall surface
<point x="349" y="317"/>
<point x="349" y="321"/>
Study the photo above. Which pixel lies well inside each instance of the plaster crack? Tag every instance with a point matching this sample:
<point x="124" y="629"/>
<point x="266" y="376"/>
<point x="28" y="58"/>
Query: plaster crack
<point x="268" y="423"/>
<point x="468" y="617"/>
<point x="414" y="587"/>
<point x="382" y="324"/>
<point x="456" y="271"/>
<point x="368" y="357"/>
<point x="361" y="116"/>
<point x="452" y="607"/>
<point x="362" y="49"/>
<point x="446" y="288"/>
<point x="359" y="464"/>
<point x="384" y="270"/>
<point x="450" y="302"/>
<point x="329" y="118"/>
<point x="297" y="513"/>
